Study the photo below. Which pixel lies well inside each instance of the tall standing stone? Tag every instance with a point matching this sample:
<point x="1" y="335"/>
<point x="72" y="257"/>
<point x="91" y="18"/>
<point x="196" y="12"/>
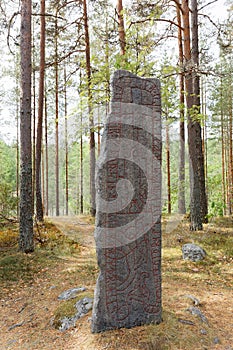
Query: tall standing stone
<point x="128" y="221"/>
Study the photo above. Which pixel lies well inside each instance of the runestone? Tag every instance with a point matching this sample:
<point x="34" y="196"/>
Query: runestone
<point x="128" y="204"/>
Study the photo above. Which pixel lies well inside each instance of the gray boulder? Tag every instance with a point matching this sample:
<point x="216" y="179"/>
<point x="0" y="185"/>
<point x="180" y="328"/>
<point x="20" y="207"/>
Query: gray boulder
<point x="83" y="306"/>
<point x="193" y="252"/>
<point x="71" y="293"/>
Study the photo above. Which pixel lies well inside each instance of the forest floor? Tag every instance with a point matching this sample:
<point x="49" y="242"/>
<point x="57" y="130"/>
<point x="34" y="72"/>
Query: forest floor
<point x="65" y="258"/>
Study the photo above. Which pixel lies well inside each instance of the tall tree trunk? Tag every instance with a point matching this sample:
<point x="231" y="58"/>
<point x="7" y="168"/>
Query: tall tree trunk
<point x="107" y="63"/>
<point x="223" y="161"/>
<point x="33" y="137"/>
<point x="46" y="158"/>
<point x="227" y="174"/>
<point x="168" y="167"/>
<point x="66" y="149"/>
<point x="90" y="112"/>
<point x="81" y="172"/>
<point x="81" y="146"/>
<point x="194" y="135"/>
<point x="230" y="147"/>
<point x="99" y="128"/>
<point x="204" y="133"/>
<point x="26" y="243"/>
<point x="33" y="120"/>
<point x="196" y="107"/>
<point x="198" y="201"/>
<point x="121" y="29"/>
<point x="39" y="205"/>
<point x="56" y="118"/>
<point x="181" y="184"/>
<point x="42" y="174"/>
<point x="17" y="129"/>
<point x="17" y="157"/>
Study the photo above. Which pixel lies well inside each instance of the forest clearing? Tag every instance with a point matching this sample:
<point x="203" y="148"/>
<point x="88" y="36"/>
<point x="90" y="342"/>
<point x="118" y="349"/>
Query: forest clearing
<point x="64" y="258"/>
<point x="115" y="114"/>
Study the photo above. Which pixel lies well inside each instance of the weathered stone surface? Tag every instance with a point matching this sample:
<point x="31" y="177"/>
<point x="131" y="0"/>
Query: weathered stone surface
<point x="83" y="306"/>
<point x="71" y="293"/>
<point x="128" y="220"/>
<point x="193" y="252"/>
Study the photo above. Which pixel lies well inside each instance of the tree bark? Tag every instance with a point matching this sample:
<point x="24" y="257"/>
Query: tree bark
<point x="46" y="158"/>
<point x="230" y="165"/>
<point x="194" y="131"/>
<point x="17" y="129"/>
<point x="90" y="112"/>
<point x="56" y="119"/>
<point x="39" y="204"/>
<point x="196" y="107"/>
<point x="33" y="120"/>
<point x="26" y="243"/>
<point x="181" y="184"/>
<point x="169" y="209"/>
<point x="66" y="149"/>
<point x="223" y="156"/>
<point x="121" y="29"/>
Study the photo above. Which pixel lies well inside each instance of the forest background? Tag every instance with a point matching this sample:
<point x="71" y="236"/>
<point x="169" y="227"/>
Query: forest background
<point x="83" y="47"/>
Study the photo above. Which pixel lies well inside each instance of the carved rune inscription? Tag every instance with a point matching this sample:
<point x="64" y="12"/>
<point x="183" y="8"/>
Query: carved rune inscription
<point x="128" y="226"/>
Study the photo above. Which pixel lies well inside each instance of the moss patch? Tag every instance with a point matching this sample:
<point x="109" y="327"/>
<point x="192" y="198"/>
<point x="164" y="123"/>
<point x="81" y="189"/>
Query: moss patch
<point x="67" y="308"/>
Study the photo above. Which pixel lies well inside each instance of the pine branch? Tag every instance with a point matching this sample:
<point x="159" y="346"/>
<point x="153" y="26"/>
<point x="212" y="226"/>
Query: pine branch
<point x="156" y="20"/>
<point x="208" y="4"/>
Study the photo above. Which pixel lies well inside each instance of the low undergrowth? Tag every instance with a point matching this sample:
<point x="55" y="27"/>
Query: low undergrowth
<point x="50" y="246"/>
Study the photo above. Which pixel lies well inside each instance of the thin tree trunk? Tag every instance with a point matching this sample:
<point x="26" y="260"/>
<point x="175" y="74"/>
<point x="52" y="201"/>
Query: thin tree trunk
<point x="56" y="119"/>
<point x="33" y="121"/>
<point x="81" y="174"/>
<point x="42" y="174"/>
<point x="26" y="243"/>
<point x="223" y="163"/>
<point x="181" y="184"/>
<point x="39" y="204"/>
<point x="107" y="62"/>
<point x="46" y="157"/>
<point x="230" y="154"/>
<point x="98" y="113"/>
<point x="168" y="168"/>
<point x="81" y="149"/>
<point x="204" y="133"/>
<point x="227" y="174"/>
<point x="17" y="157"/>
<point x="121" y="29"/>
<point x="90" y="112"/>
<point x="33" y="138"/>
<point x="66" y="149"/>
<point x="17" y="130"/>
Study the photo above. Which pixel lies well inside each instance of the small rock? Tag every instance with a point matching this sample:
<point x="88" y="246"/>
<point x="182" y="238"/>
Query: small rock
<point x="193" y="252"/>
<point x="203" y="331"/>
<point x="216" y="340"/>
<point x="66" y="323"/>
<point x="196" y="302"/>
<point x="71" y="293"/>
<point x="52" y="287"/>
<point x="195" y="311"/>
<point x="83" y="306"/>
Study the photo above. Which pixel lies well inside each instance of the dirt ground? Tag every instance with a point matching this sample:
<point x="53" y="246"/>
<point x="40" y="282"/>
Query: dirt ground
<point x="27" y="309"/>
